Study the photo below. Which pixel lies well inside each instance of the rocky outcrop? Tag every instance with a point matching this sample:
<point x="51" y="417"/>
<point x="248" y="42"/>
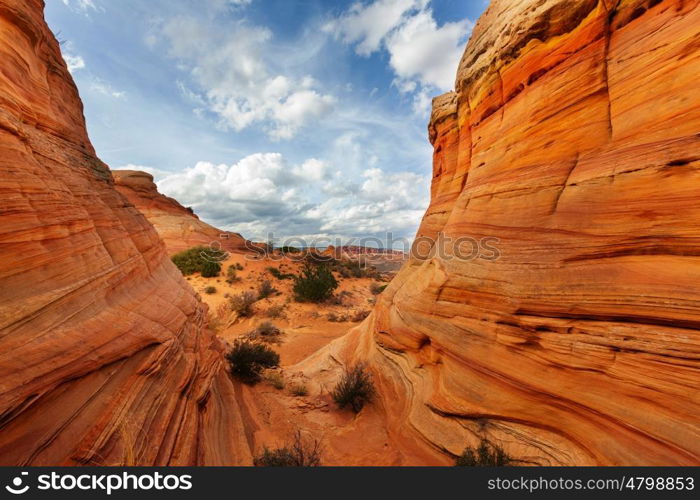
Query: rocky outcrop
<point x="572" y="137"/>
<point x="105" y="357"/>
<point x="178" y="226"/>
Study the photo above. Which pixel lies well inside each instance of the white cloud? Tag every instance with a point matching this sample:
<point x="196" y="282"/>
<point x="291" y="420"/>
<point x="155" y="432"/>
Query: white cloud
<point x="82" y="6"/>
<point x="422" y="54"/>
<point x="233" y="73"/>
<point x="263" y="194"/>
<point x="105" y="88"/>
<point x="74" y="62"/>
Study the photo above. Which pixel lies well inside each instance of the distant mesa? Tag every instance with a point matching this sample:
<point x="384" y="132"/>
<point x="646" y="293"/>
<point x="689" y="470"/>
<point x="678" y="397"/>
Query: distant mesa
<point x="178" y="226"/>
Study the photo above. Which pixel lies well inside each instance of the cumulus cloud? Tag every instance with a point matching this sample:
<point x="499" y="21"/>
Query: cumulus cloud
<point x="422" y="54"/>
<point x="74" y="62"/>
<point x="235" y="80"/>
<point x="263" y="194"/>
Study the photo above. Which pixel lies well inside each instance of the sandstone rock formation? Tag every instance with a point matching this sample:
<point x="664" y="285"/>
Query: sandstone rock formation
<point x="572" y="137"/>
<point x="178" y="226"/>
<point x="105" y="357"/>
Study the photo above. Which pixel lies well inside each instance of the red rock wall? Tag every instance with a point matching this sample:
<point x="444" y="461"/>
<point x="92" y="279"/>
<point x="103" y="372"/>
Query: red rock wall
<point x="105" y="357"/>
<point x="178" y="227"/>
<point x="573" y="137"/>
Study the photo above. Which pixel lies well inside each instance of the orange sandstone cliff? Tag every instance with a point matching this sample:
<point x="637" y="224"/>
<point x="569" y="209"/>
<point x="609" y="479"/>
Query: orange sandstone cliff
<point x="177" y="226"/>
<point x="573" y="137"/>
<point x="105" y="357"/>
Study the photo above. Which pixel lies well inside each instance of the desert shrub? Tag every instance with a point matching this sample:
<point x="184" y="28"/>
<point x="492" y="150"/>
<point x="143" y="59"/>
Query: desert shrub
<point x="359" y="316"/>
<point x="265" y="332"/>
<point x="276" y="273"/>
<point x="209" y="290"/>
<point x="242" y="303"/>
<point x="275" y="379"/>
<point x="298" y="453"/>
<point x="210" y="269"/>
<point x="231" y="275"/>
<point x="355" y="388"/>
<point x="485" y="455"/>
<point x="239" y="266"/>
<point x="376" y="288"/>
<point x="265" y="290"/>
<point x="276" y="311"/>
<point x="336" y="318"/>
<point x="289" y="249"/>
<point x="248" y="359"/>
<point x="298" y="390"/>
<point x="314" y="284"/>
<point x="199" y="260"/>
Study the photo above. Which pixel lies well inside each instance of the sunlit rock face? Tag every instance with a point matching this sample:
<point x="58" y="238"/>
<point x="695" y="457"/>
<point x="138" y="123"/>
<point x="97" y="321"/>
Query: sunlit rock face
<point x="573" y="138"/>
<point x="179" y="227"/>
<point x="105" y="357"/>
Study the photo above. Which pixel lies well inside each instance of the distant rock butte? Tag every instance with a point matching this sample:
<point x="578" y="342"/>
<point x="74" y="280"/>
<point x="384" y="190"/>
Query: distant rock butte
<point x="573" y="138"/>
<point x="179" y="227"/>
<point x="105" y="357"/>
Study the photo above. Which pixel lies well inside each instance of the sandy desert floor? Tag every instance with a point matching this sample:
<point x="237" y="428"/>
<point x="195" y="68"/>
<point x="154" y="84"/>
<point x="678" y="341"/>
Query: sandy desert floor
<point x="274" y="414"/>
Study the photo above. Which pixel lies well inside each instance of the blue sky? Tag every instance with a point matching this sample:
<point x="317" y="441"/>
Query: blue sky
<point x="286" y="117"/>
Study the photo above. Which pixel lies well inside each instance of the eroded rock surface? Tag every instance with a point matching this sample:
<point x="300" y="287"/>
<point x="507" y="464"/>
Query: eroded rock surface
<point x="572" y="137"/>
<point x="179" y="227"/>
<point x="105" y="357"/>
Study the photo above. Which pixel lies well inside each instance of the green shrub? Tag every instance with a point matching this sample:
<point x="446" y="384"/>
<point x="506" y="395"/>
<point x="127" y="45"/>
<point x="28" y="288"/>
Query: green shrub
<point x="242" y="303"/>
<point x="276" y="273"/>
<point x="239" y="266"/>
<point x="314" y="284"/>
<point x="355" y="388"/>
<point x="265" y="290"/>
<point x="248" y="359"/>
<point x="376" y="288"/>
<point x="485" y="455"/>
<point x="289" y="249"/>
<point x="210" y="269"/>
<point x="298" y="453"/>
<point x="209" y="290"/>
<point x="196" y="259"/>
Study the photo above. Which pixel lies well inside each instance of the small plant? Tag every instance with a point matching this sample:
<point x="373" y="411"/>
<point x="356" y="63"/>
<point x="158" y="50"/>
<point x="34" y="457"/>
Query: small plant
<point x="299" y="390"/>
<point x="199" y="260"/>
<point x="231" y="276"/>
<point x="210" y="269"/>
<point x="314" y="284"/>
<point x="298" y="453"/>
<point x="276" y="273"/>
<point x="336" y="318"/>
<point x="265" y="290"/>
<point x="485" y="455"/>
<point x="376" y="288"/>
<point x="209" y="290"/>
<point x="239" y="266"/>
<point x="265" y="332"/>
<point x="359" y="316"/>
<point x="276" y="311"/>
<point x="248" y="359"/>
<point x="355" y="388"/>
<point x="242" y="303"/>
<point x="275" y="379"/>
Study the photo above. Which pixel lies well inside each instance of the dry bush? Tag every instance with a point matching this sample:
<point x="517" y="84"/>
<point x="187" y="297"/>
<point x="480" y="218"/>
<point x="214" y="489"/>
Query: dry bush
<point x="248" y="359"/>
<point x="485" y="455"/>
<point x="359" y="316"/>
<point x="276" y="311"/>
<point x="355" y="388"/>
<point x="265" y="290"/>
<point x="298" y="389"/>
<point x="242" y="303"/>
<point x="297" y="453"/>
